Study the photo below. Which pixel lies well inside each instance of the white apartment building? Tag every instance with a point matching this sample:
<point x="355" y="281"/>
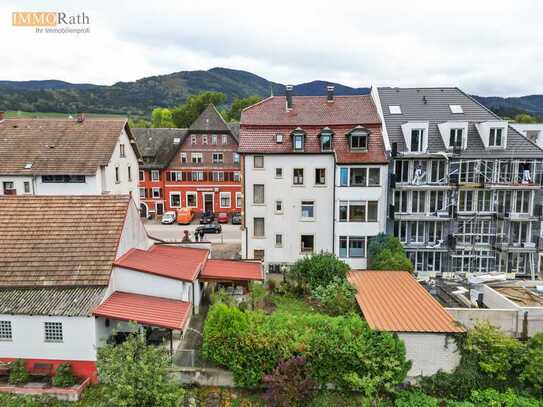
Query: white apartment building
<point x="314" y="176"/>
<point x="68" y="157"/>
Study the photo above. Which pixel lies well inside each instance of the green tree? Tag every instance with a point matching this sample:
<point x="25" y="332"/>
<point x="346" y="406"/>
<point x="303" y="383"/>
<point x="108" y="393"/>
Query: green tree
<point x="525" y="118"/>
<point x="532" y="374"/>
<point x="234" y="113"/>
<point x="385" y="252"/>
<point x="336" y="298"/>
<point x="317" y="269"/>
<point x="138" y="123"/>
<point x="135" y="374"/>
<point x="183" y="116"/>
<point x="162" y="117"/>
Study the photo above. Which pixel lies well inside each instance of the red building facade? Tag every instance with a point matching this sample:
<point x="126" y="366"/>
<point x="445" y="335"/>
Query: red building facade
<point x="195" y="168"/>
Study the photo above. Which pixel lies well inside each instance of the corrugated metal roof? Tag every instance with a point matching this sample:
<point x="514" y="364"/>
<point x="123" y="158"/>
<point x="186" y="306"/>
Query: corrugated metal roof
<point x="234" y="270"/>
<point x="394" y="301"/>
<point x="433" y="105"/>
<point x="69" y="302"/>
<point x="146" y="310"/>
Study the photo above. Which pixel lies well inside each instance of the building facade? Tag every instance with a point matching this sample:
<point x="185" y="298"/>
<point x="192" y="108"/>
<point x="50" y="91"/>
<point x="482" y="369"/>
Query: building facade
<point x="314" y="178"/>
<point x="463" y="184"/>
<point x="68" y="157"/>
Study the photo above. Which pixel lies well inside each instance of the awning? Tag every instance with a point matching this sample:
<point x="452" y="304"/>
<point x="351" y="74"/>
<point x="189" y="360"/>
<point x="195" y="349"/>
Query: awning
<point x="146" y="310"/>
<point x="232" y="270"/>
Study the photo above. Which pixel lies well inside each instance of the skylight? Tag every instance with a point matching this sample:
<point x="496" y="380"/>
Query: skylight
<point x="176" y="140"/>
<point x="28" y="166"/>
<point x="395" y="109"/>
<point x="456" y="109"/>
<point x="278" y="138"/>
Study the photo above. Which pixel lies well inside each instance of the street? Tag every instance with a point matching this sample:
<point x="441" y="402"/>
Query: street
<point x="230" y="233"/>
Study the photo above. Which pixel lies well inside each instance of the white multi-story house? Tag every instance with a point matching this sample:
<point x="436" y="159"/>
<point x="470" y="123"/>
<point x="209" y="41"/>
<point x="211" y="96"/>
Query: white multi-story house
<point x="68" y="157"/>
<point x="314" y="178"/>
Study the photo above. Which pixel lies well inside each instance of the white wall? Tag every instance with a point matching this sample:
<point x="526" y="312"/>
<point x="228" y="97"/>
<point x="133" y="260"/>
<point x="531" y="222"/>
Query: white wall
<point x="378" y="194"/>
<point x="18" y="181"/>
<point x="28" y="338"/>
<point x="289" y="222"/>
<point x="133" y="234"/>
<point x="89" y="187"/>
<point x="430" y="352"/>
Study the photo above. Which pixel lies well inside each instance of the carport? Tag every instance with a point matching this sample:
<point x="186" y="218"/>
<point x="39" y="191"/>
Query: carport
<point x="233" y="275"/>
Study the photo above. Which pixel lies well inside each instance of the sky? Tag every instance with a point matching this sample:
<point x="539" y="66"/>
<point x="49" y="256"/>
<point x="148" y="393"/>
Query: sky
<point x="484" y="47"/>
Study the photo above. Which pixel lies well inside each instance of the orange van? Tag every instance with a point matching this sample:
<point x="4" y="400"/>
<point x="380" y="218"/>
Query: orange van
<point x="184" y="216"/>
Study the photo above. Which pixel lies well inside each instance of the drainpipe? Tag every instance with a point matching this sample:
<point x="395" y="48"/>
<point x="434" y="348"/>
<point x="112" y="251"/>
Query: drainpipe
<point x="334" y="208"/>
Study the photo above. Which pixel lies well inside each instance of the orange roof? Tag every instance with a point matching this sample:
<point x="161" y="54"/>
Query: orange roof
<point x="232" y="270"/>
<point x="180" y="263"/>
<point x="145" y="309"/>
<point x="394" y="301"/>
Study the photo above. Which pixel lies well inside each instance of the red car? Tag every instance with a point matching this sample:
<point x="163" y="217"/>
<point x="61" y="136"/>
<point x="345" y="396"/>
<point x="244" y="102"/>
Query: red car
<point x="222" y="218"/>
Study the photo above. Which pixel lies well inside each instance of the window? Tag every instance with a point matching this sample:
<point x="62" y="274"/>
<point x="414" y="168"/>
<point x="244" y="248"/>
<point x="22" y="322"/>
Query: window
<point x="197" y="175"/>
<point x="204" y="139"/>
<point x="218" y="176"/>
<point x="522" y="203"/>
<point x="308" y="209"/>
<point x="278" y="206"/>
<point x="307" y="243"/>
<point x="343" y="176"/>
<point x="437" y="201"/>
<point x="258" y="161"/>
<point x="359" y="141"/>
<point x="258" y="254"/>
<point x="192" y="200"/>
<point x="193" y="139"/>
<point x="456" y="109"/>
<point x="129" y="173"/>
<point x="214" y="139"/>
<point x="60" y="179"/>
<point x="495" y="137"/>
<point x="142" y="192"/>
<point x="417" y="136"/>
<point x="394" y="109"/>
<point x="155" y="175"/>
<point x="26" y="186"/>
<point x="237" y="176"/>
<point x="372" y="211"/>
<point x="279" y="138"/>
<point x="357" y="246"/>
<point x="175" y="200"/>
<point x="358" y="177"/>
<point x="142" y="175"/>
<point x="455" y="138"/>
<point x="465" y="201"/>
<point x="121" y="151"/>
<point x="326" y="142"/>
<point x="225" y="199"/>
<point x="258" y="227"/>
<point x="5" y="331"/>
<point x="156" y="192"/>
<point x="117" y="175"/>
<point x="53" y="332"/>
<point x="224" y="139"/>
<point x="258" y="194"/>
<point x="418" y="201"/>
<point x="196" y="158"/>
<point x="401" y="170"/>
<point x="183" y="158"/>
<point x="218" y="158"/>
<point x="374" y="178"/>
<point x="238" y="199"/>
<point x="484" y="200"/>
<point x="235" y="158"/>
<point x="358" y="211"/>
<point x="437" y="171"/>
<point x="278" y="173"/>
<point x="298" y="176"/>
<point x="320" y="176"/>
<point x="278" y="240"/>
<point x="298" y="141"/>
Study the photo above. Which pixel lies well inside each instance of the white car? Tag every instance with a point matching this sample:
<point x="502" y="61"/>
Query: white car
<point x="168" y="218"/>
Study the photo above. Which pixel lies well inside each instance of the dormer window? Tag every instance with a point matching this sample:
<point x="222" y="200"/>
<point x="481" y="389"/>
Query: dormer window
<point x="299" y="141"/>
<point x="495" y="137"/>
<point x="359" y="141"/>
<point x="417" y="140"/>
<point x="455" y="138"/>
<point x="279" y="138"/>
<point x="326" y="139"/>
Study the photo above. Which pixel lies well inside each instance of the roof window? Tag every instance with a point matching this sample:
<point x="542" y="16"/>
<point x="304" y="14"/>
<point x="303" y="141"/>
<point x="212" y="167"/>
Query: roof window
<point x="456" y="109"/>
<point x="279" y="138"/>
<point x="177" y="140"/>
<point x="395" y="109"/>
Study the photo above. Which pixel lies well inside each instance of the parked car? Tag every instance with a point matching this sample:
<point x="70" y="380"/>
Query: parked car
<point x="207" y="217"/>
<point x="236" y="218"/>
<point x="184" y="216"/>
<point x="168" y="218"/>
<point x="209" y="228"/>
<point x="222" y="218"/>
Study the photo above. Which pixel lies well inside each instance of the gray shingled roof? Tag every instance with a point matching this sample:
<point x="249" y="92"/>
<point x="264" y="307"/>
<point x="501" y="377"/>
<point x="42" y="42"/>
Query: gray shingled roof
<point x="210" y="120"/>
<point x="158" y="146"/>
<point x="436" y="110"/>
<point x="69" y="302"/>
<point x="234" y="129"/>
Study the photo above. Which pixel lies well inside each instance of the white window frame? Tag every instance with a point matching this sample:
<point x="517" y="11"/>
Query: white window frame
<point x="26" y="187"/>
<point x="239" y="202"/>
<point x="122" y="152"/>
<point x="193" y="139"/>
<point x="142" y="192"/>
<point x="236" y="176"/>
<point x="217" y="158"/>
<point x="53" y="332"/>
<point x="183" y="157"/>
<point x="196" y="158"/>
<point x="296" y="178"/>
<point x="260" y="157"/>
<point x="235" y="158"/>
<point x="280" y="243"/>
<point x="6" y="331"/>
<point x="191" y="193"/>
<point x="278" y="203"/>
<point x="420" y="139"/>
<point x="225" y="194"/>
<point x="214" y="139"/>
<point x="493" y="134"/>
<point x="225" y="139"/>
<point x="308" y="203"/>
<point x="314" y="243"/>
<point x="280" y="175"/>
<point x="317" y="183"/>
<point x="263" y="235"/>
<point x="153" y="178"/>
<point x="204" y="139"/>
<point x="180" y="201"/>
<point x="154" y="189"/>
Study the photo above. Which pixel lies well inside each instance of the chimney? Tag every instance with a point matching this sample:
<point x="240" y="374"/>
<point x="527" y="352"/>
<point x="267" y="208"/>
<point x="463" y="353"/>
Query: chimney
<point x="80" y="117"/>
<point x="288" y="94"/>
<point x="330" y="93"/>
<point x="1" y="116"/>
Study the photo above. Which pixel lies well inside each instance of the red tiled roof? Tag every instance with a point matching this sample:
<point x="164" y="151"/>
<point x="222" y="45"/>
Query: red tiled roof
<point x="145" y="309"/>
<point x="394" y="301"/>
<point x="312" y="110"/>
<point x="232" y="270"/>
<point x="180" y="263"/>
<point x="262" y="140"/>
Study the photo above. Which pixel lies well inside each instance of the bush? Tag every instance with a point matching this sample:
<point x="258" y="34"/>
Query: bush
<point x="317" y="269"/>
<point x="337" y="298"/>
<point x="410" y="398"/>
<point x="532" y="374"/>
<point x="290" y="384"/>
<point x="457" y="385"/>
<point x="385" y="252"/>
<point x="221" y="296"/>
<point x="257" y="294"/>
<point x="493" y="398"/>
<point x="135" y="374"/>
<point x="63" y="376"/>
<point x="18" y="375"/>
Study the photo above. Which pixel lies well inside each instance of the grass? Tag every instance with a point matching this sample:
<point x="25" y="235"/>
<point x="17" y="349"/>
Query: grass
<point x="292" y="305"/>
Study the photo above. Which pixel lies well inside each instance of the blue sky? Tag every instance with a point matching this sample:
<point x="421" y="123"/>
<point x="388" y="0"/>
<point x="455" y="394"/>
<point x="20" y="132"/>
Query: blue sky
<point x="485" y="47"/>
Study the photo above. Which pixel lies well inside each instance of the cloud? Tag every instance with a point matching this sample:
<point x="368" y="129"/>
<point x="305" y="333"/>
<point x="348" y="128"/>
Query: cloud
<point x="483" y="47"/>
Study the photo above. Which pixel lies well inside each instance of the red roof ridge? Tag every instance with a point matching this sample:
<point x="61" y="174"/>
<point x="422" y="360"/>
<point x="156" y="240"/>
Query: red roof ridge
<point x="258" y="103"/>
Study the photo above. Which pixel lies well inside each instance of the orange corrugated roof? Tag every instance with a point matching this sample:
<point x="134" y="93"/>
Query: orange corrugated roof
<point x="232" y="270"/>
<point x="145" y="309"/>
<point x="394" y="301"/>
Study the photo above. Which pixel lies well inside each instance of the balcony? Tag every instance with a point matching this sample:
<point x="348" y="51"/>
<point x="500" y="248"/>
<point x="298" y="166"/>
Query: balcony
<point x="506" y="244"/>
<point x="439" y="245"/>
